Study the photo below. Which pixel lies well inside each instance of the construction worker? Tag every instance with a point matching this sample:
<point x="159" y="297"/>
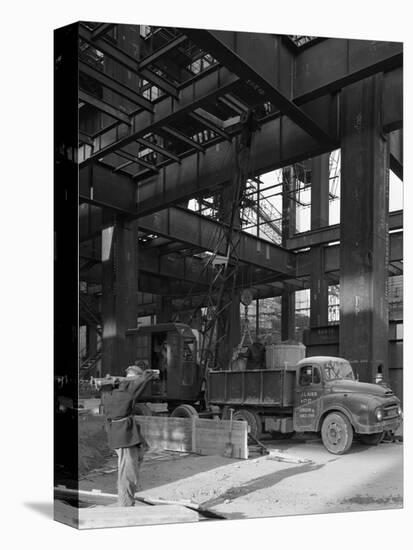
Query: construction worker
<point x="123" y="431"/>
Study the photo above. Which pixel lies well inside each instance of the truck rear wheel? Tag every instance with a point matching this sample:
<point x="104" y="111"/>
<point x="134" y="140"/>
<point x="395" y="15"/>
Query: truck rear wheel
<point x="337" y="433"/>
<point x="371" y="439"/>
<point x="252" y="419"/>
<point x="184" y="411"/>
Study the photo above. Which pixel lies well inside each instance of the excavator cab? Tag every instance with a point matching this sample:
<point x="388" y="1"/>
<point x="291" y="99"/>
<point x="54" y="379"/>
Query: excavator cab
<point x="172" y="349"/>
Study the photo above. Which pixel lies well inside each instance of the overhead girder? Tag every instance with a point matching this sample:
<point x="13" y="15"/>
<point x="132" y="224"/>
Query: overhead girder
<point x="294" y="80"/>
<point x="331" y="233"/>
<point x="191" y="96"/>
<point x="180" y="224"/>
<point x="250" y="56"/>
<point x="330" y="65"/>
<point x="332" y="256"/>
<point x="104" y="107"/>
<point x="192" y="270"/>
<point x="126" y="60"/>
<point x="278" y="143"/>
<point x="113" y="84"/>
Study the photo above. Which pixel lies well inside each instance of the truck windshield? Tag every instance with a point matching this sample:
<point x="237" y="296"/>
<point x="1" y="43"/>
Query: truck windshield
<point x="338" y="370"/>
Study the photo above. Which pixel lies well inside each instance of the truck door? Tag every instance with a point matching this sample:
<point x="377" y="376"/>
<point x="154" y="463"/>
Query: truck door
<point x="308" y="398"/>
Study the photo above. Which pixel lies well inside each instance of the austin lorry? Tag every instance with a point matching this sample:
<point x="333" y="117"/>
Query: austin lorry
<point x="318" y="394"/>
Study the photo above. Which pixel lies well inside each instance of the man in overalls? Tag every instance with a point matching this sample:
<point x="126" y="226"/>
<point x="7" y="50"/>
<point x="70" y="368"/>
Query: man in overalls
<point x="123" y="432"/>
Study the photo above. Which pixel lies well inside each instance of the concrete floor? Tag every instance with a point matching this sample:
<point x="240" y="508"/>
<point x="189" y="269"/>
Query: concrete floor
<point x="297" y="477"/>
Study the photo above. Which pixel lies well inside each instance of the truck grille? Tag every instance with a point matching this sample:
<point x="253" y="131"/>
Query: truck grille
<point x="390" y="411"/>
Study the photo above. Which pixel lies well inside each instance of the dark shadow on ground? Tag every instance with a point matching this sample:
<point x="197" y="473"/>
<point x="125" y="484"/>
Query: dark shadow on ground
<point x="263" y="482"/>
<point x="43" y="508"/>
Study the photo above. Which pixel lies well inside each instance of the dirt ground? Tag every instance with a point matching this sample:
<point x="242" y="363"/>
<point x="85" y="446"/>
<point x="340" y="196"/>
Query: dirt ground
<point x="298" y="477"/>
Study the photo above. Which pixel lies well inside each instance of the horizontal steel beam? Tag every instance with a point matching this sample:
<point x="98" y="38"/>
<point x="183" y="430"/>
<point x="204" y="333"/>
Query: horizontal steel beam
<point x="354" y="60"/>
<point x="227" y="47"/>
<point x="278" y="143"/>
<point x="112" y="84"/>
<point x="104" y="107"/>
<point x="331" y="233"/>
<point x="180" y="224"/>
<point x="332" y="256"/>
<point x="101" y="29"/>
<point x="166" y="110"/>
<point x="182" y="137"/>
<point x="330" y="65"/>
<point x="153" y="57"/>
<point x="126" y="60"/>
<point x="137" y="160"/>
<point x="158" y="149"/>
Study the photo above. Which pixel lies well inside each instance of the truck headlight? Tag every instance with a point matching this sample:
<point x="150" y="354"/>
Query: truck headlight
<point x="379" y="415"/>
<point x="399" y="410"/>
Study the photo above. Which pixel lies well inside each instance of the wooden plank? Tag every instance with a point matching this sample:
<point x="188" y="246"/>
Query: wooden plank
<point x="200" y="435"/>
<point x="106" y="516"/>
<point x="174" y="434"/>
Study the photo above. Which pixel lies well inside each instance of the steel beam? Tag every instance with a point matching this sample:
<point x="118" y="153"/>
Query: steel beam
<point x="227" y="46"/>
<point x="165" y="111"/>
<point x="101" y="29"/>
<point x="125" y="60"/>
<point x="180" y="224"/>
<point x="112" y="84"/>
<point x="330" y="65"/>
<point x="208" y="124"/>
<point x="302" y="85"/>
<point x="332" y="256"/>
<point x="182" y="137"/>
<point x="159" y="149"/>
<point x="137" y="160"/>
<point x="153" y="57"/>
<point x="279" y="143"/>
<point x="105" y="107"/>
<point x="331" y="233"/>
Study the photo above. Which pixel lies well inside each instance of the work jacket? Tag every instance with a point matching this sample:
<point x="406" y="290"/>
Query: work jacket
<point x="118" y="401"/>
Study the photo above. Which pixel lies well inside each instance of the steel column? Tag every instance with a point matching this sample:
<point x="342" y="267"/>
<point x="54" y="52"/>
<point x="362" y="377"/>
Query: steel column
<point x="364" y="230"/>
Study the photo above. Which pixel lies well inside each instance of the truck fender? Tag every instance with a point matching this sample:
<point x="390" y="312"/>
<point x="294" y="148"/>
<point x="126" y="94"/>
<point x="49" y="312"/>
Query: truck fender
<point x="336" y="408"/>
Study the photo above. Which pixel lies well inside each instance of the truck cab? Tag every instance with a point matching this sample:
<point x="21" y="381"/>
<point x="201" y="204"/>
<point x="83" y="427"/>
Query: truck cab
<point x="329" y="400"/>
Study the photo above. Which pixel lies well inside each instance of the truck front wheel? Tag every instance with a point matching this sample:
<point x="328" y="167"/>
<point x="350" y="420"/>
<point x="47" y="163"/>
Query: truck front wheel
<point x="252" y="419"/>
<point x="337" y="433"/>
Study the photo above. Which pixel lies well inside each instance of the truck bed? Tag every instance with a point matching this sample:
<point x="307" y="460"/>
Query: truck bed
<point x="264" y="388"/>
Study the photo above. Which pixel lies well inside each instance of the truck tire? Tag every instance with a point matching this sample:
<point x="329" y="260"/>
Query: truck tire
<point x="252" y="419"/>
<point x="371" y="439"/>
<point x="337" y="433"/>
<point x="184" y="411"/>
<point x="142" y="410"/>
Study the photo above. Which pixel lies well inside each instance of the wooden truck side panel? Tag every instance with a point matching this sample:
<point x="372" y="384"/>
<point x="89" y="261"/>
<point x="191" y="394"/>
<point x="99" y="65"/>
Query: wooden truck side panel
<point x="261" y="388"/>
